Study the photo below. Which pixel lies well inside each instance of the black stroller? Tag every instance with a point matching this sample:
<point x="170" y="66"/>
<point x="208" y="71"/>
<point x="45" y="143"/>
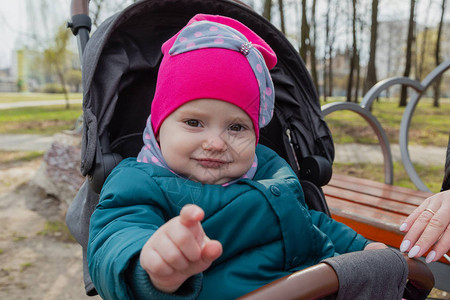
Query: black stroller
<point x="132" y="40"/>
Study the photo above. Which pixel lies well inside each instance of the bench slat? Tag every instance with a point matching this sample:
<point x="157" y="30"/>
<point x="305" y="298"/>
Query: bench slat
<point x="380" y="185"/>
<point x="380" y="190"/>
<point x="369" y="200"/>
<point x="377" y="218"/>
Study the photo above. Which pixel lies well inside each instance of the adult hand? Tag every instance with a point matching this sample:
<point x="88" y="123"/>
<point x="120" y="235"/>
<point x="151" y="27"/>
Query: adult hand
<point x="426" y="226"/>
<point x="178" y="250"/>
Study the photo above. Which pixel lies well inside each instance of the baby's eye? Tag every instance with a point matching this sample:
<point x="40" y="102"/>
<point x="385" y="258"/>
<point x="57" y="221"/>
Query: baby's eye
<point x="193" y="123"/>
<point x="236" y="127"/>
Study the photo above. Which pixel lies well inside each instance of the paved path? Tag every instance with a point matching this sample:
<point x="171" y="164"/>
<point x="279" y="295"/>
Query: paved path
<point x="25" y="142"/>
<point x="38" y="103"/>
<point x="424" y="155"/>
<point x="29" y="142"/>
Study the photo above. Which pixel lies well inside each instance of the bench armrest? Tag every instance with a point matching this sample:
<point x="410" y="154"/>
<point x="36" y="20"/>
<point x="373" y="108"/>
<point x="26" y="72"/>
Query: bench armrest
<point x="314" y="282"/>
<point x="321" y="280"/>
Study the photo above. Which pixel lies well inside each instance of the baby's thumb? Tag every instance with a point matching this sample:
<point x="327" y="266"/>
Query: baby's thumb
<point x="212" y="250"/>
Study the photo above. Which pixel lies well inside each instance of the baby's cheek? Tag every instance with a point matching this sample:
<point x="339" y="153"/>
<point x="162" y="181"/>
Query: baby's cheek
<point x="244" y="143"/>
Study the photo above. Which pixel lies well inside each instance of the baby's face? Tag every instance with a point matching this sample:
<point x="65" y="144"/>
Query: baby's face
<point x="208" y="141"/>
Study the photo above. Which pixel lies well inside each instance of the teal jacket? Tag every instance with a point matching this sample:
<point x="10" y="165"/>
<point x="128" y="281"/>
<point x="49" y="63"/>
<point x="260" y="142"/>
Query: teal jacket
<point x="263" y="224"/>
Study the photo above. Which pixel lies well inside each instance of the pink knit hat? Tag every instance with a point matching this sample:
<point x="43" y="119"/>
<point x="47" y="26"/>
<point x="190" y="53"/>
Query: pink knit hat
<point x="215" y="57"/>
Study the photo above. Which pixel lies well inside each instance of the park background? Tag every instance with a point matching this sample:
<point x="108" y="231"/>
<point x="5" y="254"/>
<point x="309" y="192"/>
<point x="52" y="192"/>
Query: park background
<point x="366" y="40"/>
<point x="348" y="46"/>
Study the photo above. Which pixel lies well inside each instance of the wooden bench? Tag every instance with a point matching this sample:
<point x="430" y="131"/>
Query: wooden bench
<point x="375" y="210"/>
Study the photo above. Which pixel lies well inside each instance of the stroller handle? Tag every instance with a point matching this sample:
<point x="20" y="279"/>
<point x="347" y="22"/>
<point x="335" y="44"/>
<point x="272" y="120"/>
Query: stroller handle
<point x="80" y="23"/>
<point x="78" y="7"/>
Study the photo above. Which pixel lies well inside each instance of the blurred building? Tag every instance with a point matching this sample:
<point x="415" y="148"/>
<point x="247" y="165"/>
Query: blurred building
<point x="8" y="83"/>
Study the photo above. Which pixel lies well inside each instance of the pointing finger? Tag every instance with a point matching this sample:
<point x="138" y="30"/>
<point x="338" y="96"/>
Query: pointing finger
<point x="191" y="214"/>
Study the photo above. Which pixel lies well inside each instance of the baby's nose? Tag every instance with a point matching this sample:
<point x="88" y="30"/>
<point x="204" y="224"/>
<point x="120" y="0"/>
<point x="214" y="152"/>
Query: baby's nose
<point x="215" y="143"/>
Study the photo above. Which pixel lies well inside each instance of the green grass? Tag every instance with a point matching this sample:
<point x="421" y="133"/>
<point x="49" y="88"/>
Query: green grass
<point x="46" y="120"/>
<point x="17" y="97"/>
<point x="431" y="175"/>
<point x="18" y="238"/>
<point x="58" y="230"/>
<point x="9" y="157"/>
<point x="429" y="125"/>
<point x="25" y="266"/>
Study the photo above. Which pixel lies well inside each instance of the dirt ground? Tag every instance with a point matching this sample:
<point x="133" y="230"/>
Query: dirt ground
<point x="37" y="261"/>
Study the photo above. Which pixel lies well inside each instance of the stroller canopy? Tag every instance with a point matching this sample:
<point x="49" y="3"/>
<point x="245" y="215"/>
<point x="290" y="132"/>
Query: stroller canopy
<point x="120" y="66"/>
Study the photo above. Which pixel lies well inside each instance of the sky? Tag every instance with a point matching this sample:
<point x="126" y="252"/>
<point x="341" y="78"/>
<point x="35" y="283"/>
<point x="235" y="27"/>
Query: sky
<point x="34" y="23"/>
<point x="20" y="19"/>
<point x="9" y="23"/>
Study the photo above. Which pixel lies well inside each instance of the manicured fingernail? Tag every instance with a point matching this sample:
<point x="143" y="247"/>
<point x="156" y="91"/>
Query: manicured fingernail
<point x="430" y="256"/>
<point x="403" y="227"/>
<point x="405" y="245"/>
<point x="414" y="251"/>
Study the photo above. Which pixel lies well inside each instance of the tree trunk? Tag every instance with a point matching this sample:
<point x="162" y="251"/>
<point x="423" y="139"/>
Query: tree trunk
<point x="423" y="53"/>
<point x="409" y="42"/>
<point x="267" y="9"/>
<point x="350" y="80"/>
<point x="353" y="55"/>
<point x="358" y="62"/>
<point x="357" y="84"/>
<point x="62" y="80"/>
<point x="96" y="7"/>
<point x="281" y="7"/>
<point x="312" y="47"/>
<point x="330" y="75"/>
<point x="423" y="48"/>
<point x="371" y="78"/>
<point x="330" y="51"/>
<point x="437" y="57"/>
<point x="326" y="55"/>
<point x="304" y="38"/>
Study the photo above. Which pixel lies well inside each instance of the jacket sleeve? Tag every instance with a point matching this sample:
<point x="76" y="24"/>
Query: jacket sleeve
<point x="130" y="210"/>
<point x="344" y="238"/>
<point x="142" y="288"/>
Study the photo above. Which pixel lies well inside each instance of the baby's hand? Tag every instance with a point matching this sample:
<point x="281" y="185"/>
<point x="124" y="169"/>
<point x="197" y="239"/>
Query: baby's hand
<point x="178" y="250"/>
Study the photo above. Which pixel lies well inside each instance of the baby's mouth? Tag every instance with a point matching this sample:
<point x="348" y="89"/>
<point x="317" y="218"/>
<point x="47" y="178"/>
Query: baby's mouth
<point x="211" y="162"/>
